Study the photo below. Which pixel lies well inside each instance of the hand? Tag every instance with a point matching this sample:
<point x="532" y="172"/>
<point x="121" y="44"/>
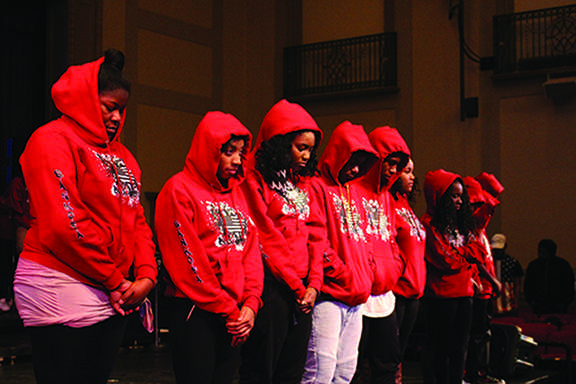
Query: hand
<point x="242" y="326"/>
<point x="116" y="295"/>
<point x="136" y="293"/>
<point x="308" y="300"/>
<point x="238" y="340"/>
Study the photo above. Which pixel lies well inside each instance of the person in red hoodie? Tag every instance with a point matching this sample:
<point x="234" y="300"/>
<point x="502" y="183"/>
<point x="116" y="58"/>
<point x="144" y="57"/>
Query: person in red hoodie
<point x="338" y="236"/>
<point x="283" y="158"/>
<point x="452" y="253"/>
<point x="209" y="247"/>
<point x="411" y="239"/>
<point x="379" y="325"/>
<point x="483" y="205"/>
<point x="88" y="256"/>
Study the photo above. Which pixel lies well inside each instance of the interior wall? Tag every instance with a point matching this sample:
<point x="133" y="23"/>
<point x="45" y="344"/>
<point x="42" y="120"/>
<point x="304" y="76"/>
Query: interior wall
<point x="333" y="20"/>
<point x="538" y="171"/>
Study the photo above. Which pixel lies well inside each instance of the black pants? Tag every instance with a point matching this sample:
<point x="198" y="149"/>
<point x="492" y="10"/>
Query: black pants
<point x="379" y="344"/>
<point x="477" y="359"/>
<point x="447" y="329"/>
<point x="406" y="315"/>
<point x="201" y="346"/>
<point x="63" y="354"/>
<point x="276" y="349"/>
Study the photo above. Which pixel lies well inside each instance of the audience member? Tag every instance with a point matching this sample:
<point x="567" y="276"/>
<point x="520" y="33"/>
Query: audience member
<point x="549" y="281"/>
<point x="509" y="272"/>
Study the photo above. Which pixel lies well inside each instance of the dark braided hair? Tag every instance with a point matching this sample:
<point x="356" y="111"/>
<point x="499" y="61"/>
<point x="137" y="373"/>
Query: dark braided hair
<point x="274" y="155"/>
<point x="110" y="74"/>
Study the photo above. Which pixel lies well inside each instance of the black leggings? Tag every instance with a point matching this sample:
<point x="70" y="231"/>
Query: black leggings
<point x="201" y="345"/>
<point x="63" y="354"/>
<point x="448" y="322"/>
<point x="406" y="315"/>
<point x="379" y="344"/>
<point x="276" y="350"/>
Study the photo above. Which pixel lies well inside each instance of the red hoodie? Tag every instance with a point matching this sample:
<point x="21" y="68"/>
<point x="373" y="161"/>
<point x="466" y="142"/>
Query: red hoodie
<point x="208" y="242"/>
<point x="85" y="191"/>
<point x="378" y="205"/>
<point x="411" y="239"/>
<point x="449" y="273"/>
<point x="281" y="210"/>
<point x="482" y="216"/>
<point x="337" y="220"/>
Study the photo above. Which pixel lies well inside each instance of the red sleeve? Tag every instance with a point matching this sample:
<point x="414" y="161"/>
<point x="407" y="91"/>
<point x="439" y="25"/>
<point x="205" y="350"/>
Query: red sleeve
<point x="320" y="247"/>
<point x="145" y="265"/>
<point x="277" y="255"/>
<point x="184" y="256"/>
<point x="65" y="226"/>
<point x="253" y="272"/>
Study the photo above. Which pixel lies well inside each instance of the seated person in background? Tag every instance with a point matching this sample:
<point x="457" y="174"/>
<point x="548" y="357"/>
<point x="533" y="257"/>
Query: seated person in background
<point x="509" y="272"/>
<point x="549" y="282"/>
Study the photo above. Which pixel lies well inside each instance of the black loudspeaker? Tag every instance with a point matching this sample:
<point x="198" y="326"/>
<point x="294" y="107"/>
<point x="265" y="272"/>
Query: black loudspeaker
<point x="470" y="107"/>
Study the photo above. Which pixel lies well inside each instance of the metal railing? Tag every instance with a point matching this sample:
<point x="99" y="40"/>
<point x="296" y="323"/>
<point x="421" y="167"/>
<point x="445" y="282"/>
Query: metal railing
<point x="535" y="40"/>
<point x="341" y="66"/>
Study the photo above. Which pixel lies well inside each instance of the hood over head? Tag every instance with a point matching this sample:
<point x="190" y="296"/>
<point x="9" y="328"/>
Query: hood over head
<point x="475" y="191"/>
<point x="283" y="118"/>
<point x="214" y="130"/>
<point x="346" y="139"/>
<point x="436" y="184"/>
<point x="75" y="94"/>
<point x="386" y="141"/>
<point x="483" y="203"/>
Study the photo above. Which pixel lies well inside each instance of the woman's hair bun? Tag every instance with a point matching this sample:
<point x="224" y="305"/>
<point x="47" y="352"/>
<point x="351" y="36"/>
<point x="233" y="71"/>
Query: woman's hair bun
<point x="114" y="58"/>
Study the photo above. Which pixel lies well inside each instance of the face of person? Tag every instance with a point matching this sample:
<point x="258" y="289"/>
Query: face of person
<point x="230" y="160"/>
<point x="407" y="177"/>
<point x="456" y="191"/>
<point x="301" y="149"/>
<point x="113" y="104"/>
<point x="351" y="170"/>
<point x="389" y="169"/>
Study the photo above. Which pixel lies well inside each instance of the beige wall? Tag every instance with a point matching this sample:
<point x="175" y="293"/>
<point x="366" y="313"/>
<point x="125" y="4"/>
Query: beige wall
<point x="189" y="57"/>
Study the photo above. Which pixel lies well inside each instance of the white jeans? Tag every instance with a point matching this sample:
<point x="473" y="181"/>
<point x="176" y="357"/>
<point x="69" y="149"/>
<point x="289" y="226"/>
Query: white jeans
<point x="333" y="345"/>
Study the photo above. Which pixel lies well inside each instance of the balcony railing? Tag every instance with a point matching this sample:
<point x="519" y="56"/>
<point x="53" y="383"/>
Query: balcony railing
<point x="535" y="40"/>
<point x="366" y="63"/>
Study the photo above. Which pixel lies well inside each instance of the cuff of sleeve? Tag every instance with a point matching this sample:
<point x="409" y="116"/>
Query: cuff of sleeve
<point x="254" y="303"/>
<point x="234" y="315"/>
<point x="147" y="271"/>
<point x="113" y="281"/>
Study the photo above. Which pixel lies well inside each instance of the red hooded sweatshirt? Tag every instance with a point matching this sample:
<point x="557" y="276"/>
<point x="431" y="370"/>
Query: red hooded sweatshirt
<point x="337" y="220"/>
<point x="281" y="210"/>
<point x="411" y="239"/>
<point x="378" y="205"/>
<point x="84" y="191"/>
<point x="208" y="241"/>
<point x="449" y="273"/>
<point x="482" y="216"/>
